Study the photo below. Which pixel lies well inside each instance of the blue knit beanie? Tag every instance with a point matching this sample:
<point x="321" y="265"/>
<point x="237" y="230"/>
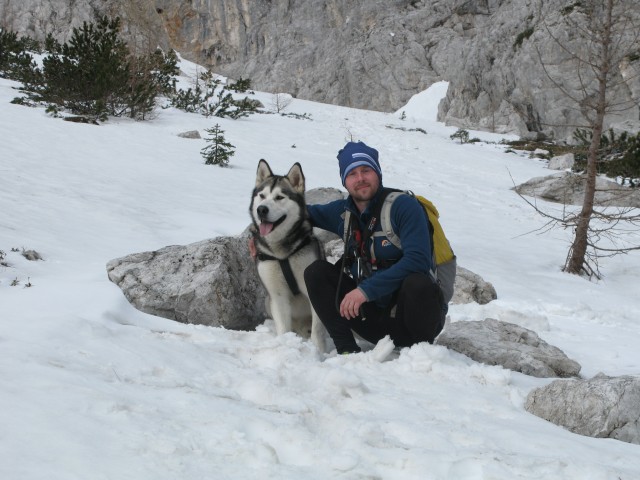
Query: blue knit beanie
<point x="355" y="155"/>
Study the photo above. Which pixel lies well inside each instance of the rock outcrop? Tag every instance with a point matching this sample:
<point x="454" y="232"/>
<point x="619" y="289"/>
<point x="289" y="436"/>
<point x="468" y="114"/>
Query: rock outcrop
<point x="562" y="162"/>
<point x="470" y="287"/>
<point x="215" y="282"/>
<point x="372" y="54"/>
<point x="603" y="407"/>
<point x="568" y="188"/>
<point x="514" y="347"/>
<point x="212" y="282"/>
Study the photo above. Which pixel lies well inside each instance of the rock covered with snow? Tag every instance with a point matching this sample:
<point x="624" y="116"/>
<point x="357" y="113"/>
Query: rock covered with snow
<point x="212" y="282"/>
<point x="494" y="342"/>
<point x="603" y="407"/>
<point x="568" y="188"/>
<point x="562" y="162"/>
<point x="215" y="282"/>
<point x="324" y="195"/>
<point x="190" y="134"/>
<point x="470" y="287"/>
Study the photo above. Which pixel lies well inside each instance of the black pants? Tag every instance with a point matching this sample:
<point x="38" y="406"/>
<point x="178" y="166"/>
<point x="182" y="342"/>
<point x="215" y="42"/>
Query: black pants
<point x="419" y="313"/>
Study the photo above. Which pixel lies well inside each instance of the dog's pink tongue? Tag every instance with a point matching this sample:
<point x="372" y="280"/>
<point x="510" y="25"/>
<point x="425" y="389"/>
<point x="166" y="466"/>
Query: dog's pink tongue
<point x="265" y="228"/>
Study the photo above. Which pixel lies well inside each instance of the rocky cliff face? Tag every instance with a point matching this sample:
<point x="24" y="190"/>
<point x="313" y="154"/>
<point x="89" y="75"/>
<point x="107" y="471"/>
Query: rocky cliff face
<point x="372" y="54"/>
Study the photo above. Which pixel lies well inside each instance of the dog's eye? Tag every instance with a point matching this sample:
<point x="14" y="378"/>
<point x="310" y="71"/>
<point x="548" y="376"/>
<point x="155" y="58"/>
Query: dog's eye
<point x="262" y="196"/>
<point x="279" y="197"/>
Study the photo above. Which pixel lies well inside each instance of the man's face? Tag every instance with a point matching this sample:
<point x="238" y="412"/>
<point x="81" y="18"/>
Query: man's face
<point x="362" y="183"/>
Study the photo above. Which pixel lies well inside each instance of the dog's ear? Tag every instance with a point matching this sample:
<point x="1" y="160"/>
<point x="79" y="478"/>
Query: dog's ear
<point x="264" y="171"/>
<point x="296" y="178"/>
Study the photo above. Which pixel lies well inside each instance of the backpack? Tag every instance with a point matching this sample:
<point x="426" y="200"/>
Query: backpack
<point x="444" y="259"/>
<point x="439" y="244"/>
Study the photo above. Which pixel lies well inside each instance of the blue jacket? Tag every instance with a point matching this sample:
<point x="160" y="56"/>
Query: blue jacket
<point x="409" y="222"/>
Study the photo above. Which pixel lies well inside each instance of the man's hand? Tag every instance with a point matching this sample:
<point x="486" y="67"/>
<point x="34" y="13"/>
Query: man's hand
<point x="351" y="303"/>
<point x="252" y="247"/>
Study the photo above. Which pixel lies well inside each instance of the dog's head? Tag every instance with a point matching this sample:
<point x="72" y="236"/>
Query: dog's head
<point x="278" y="201"/>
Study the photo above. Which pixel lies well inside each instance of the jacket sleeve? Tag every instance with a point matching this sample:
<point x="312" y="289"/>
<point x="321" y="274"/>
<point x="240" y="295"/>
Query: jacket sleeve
<point x="409" y="221"/>
<point x="328" y="216"/>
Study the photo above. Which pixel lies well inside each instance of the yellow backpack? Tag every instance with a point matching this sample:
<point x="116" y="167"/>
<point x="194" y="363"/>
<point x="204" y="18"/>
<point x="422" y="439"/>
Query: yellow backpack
<point x="441" y="247"/>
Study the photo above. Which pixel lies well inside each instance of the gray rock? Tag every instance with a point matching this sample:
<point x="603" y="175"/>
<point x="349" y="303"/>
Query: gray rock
<point x="562" y="162"/>
<point x="215" y="282"/>
<point x="192" y="134"/>
<point x="31" y="255"/>
<point x="470" y="287"/>
<point x="212" y="282"/>
<point x="514" y="347"/>
<point x="324" y="195"/>
<point x="602" y="407"/>
<point x="568" y="188"/>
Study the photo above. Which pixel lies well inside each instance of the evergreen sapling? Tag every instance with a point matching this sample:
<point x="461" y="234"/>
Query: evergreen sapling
<point x="219" y="151"/>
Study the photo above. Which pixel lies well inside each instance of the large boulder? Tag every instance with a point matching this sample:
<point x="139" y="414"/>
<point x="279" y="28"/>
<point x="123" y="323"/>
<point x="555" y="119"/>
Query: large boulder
<point x="212" y="282"/>
<point x="604" y="407"/>
<point x="514" y="347"/>
<point x="215" y="282"/>
<point x="568" y="188"/>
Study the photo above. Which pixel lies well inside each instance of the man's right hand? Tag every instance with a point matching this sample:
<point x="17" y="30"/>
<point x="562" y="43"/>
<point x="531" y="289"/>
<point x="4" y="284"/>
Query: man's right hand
<point x="351" y="303"/>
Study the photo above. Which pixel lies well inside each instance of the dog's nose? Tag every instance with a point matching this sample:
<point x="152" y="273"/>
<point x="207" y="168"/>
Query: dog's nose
<point x="263" y="211"/>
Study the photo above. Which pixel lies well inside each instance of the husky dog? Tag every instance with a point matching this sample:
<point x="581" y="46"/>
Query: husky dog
<point x="285" y="245"/>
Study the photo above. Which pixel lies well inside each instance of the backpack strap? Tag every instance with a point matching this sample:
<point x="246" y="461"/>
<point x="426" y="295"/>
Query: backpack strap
<point x="385" y="219"/>
<point x="387" y="227"/>
<point x="362" y="237"/>
<point x="346" y="232"/>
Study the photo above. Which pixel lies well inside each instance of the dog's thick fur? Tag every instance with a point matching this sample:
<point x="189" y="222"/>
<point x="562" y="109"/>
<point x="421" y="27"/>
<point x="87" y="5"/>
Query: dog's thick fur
<point x="282" y="231"/>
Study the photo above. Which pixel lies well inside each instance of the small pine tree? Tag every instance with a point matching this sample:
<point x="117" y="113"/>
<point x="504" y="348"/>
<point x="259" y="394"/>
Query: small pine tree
<point x="243" y="85"/>
<point x="462" y="135"/>
<point x="95" y="74"/>
<point x="219" y="151"/>
<point x="16" y="62"/>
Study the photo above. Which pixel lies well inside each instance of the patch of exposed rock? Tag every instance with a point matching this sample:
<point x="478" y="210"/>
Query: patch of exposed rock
<point x="215" y="282"/>
<point x="471" y="287"/>
<point x="568" y="188"/>
<point x="603" y="407"/>
<point x="514" y="347"/>
<point x="212" y="282"/>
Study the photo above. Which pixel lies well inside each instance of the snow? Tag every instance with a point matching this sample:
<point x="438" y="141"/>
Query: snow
<point x="93" y="388"/>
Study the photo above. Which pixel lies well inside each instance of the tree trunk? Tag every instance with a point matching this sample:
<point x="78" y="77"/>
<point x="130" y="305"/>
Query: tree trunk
<point x="577" y="261"/>
<point x="580" y="242"/>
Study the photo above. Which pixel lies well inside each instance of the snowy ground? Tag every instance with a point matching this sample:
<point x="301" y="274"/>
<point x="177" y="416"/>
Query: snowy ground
<point x="93" y="389"/>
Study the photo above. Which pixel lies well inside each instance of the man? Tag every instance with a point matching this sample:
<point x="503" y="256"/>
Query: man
<point x="377" y="289"/>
